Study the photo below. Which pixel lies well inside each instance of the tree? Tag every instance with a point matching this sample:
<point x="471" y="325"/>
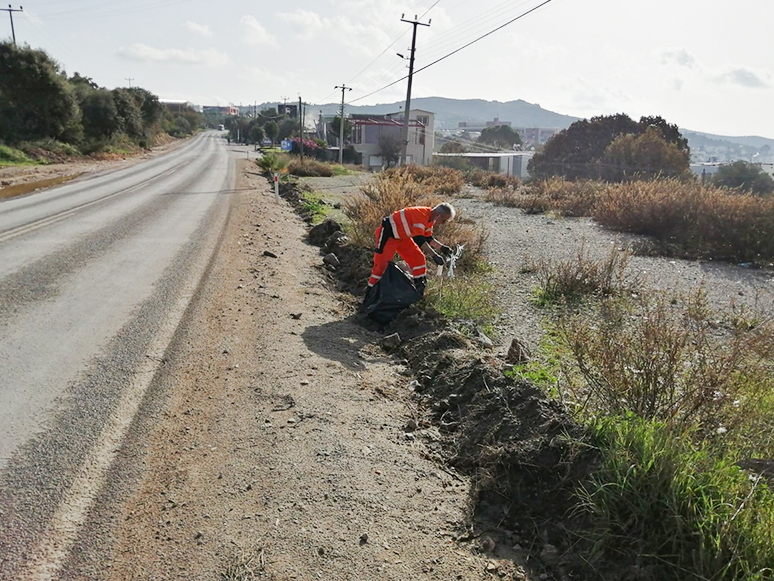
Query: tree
<point x="287" y="128"/>
<point x="36" y="101"/>
<point x="747" y="177"/>
<point x="256" y="134"/>
<point x="502" y="136"/>
<point x="643" y="156"/>
<point x="576" y="151"/>
<point x="453" y="147"/>
<point x="271" y="129"/>
<point x="100" y="115"/>
<point x="389" y="145"/>
<point x="336" y="127"/>
<point x="129" y="113"/>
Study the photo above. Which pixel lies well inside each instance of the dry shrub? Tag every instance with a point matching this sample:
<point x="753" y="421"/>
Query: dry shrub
<point x="491" y="180"/>
<point x="581" y="276"/>
<point x="695" y="219"/>
<point x="664" y="359"/>
<point x="567" y="198"/>
<point x="393" y="190"/>
<point x="308" y="167"/>
<point x="441" y="181"/>
<point x="505" y="197"/>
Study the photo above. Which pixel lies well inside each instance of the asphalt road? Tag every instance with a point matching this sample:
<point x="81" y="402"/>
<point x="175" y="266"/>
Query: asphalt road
<point x="95" y="278"/>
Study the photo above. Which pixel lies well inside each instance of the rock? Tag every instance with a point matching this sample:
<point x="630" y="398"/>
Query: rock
<point x="296" y="316"/>
<point x="323" y="231"/>
<point x="484" y="341"/>
<point x="488" y="545"/>
<point x="331" y="260"/>
<point x="269" y="253"/>
<point x="549" y="554"/>
<point x="335" y="240"/>
<point x="363" y="538"/>
<point x="518" y="353"/>
<point x="491" y="567"/>
<point x="411" y="425"/>
<point x="391" y="342"/>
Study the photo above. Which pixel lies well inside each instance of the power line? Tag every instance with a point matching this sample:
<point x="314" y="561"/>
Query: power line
<point x="456" y="50"/>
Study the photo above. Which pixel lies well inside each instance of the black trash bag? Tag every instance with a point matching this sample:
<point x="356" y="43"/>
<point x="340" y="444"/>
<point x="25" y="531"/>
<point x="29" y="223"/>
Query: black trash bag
<point x="388" y="297"/>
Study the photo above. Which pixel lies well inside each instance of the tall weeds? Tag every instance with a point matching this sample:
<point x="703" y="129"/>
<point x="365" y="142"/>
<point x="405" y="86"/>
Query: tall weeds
<point x="671" y="510"/>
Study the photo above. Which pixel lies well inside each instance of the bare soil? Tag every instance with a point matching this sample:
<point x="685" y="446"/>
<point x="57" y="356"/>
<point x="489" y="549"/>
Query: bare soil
<point x="18" y="180"/>
<point x="292" y="446"/>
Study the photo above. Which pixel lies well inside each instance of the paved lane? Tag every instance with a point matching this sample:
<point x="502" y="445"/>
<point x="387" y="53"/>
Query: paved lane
<point x="95" y="277"/>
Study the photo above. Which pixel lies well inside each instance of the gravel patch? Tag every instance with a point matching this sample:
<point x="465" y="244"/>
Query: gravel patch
<point x="515" y="238"/>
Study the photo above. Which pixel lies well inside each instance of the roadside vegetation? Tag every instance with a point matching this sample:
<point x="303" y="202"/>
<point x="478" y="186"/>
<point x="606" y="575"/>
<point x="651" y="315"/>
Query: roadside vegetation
<point x="46" y="116"/>
<point x="634" y="443"/>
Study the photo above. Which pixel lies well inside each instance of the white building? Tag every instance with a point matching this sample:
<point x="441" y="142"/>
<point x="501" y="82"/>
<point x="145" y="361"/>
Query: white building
<point x="369" y="130"/>
<point x="512" y="163"/>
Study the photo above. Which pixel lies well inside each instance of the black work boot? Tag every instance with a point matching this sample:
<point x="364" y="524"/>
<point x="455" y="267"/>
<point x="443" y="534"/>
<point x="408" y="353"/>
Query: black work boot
<point x="420" y="283"/>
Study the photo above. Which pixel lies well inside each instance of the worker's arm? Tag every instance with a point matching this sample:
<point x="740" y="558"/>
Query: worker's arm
<point x="426" y="244"/>
<point x="438" y="246"/>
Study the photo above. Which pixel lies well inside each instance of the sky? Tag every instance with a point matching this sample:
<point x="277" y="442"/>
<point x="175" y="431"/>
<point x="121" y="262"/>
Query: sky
<point x="705" y="65"/>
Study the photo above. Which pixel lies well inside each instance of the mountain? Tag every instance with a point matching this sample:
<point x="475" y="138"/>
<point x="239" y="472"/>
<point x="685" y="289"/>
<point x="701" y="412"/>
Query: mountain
<point x="450" y="112"/>
<point x="476" y="112"/>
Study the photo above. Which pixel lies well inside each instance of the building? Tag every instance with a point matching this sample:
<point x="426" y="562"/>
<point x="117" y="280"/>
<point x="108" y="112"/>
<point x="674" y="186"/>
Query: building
<point x="369" y="133"/>
<point x="229" y="110"/>
<point x="504" y="162"/>
<point x="536" y="135"/>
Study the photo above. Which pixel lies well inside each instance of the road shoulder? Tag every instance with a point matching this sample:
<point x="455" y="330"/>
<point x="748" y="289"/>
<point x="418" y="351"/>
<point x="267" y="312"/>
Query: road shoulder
<point x="282" y="449"/>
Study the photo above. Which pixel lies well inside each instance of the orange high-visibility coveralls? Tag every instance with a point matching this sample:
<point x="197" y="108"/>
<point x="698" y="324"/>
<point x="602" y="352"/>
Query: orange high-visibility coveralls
<point x="405" y="224"/>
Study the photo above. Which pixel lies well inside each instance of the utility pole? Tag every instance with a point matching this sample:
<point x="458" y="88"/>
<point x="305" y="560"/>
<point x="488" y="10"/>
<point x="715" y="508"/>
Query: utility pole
<point x="130" y="79"/>
<point x="10" y="12"/>
<point x="341" y="122"/>
<point x="415" y="23"/>
<point x="300" y="128"/>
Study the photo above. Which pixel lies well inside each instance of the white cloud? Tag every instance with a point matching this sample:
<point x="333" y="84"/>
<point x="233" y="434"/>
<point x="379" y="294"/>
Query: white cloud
<point x="254" y="32"/>
<point x="202" y="29"/>
<point x="744" y="78"/>
<point x="143" y="53"/>
<point x="307" y="24"/>
<point x="679" y="56"/>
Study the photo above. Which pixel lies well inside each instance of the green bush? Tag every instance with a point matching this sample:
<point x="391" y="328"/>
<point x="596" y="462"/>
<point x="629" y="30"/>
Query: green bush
<point x="670" y="509"/>
<point x="11" y="156"/>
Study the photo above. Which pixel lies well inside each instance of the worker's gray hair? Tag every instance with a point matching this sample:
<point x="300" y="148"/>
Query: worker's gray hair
<point x="446" y="209"/>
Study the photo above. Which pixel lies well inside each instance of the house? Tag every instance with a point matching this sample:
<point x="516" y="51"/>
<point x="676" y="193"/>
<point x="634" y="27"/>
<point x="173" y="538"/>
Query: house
<point x="512" y="163"/>
<point x="370" y="132"/>
<point x="218" y="110"/>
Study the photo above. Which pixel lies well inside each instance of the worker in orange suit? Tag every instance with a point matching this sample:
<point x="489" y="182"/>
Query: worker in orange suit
<point x="405" y="232"/>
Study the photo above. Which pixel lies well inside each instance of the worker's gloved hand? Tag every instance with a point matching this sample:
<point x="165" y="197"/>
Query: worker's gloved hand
<point x="447" y="251"/>
<point x="438" y="260"/>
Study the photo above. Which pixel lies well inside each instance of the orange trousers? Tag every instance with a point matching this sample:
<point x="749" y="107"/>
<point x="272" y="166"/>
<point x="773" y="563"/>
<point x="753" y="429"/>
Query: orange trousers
<point x="408" y="251"/>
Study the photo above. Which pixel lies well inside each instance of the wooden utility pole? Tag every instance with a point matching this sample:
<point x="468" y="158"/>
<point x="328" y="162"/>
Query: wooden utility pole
<point x="130" y="79"/>
<point x="406" y="110"/>
<point x="341" y="122"/>
<point x="10" y="12"/>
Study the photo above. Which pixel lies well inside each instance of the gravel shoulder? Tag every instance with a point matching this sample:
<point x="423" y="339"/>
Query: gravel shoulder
<point x="282" y="451"/>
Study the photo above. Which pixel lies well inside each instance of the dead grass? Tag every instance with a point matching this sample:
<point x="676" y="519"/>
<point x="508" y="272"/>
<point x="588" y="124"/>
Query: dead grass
<point x="491" y="180"/>
<point x="441" y="181"/>
<point x="308" y="167"/>
<point x="570" y="280"/>
<point x="393" y="190"/>
<point x="695" y="220"/>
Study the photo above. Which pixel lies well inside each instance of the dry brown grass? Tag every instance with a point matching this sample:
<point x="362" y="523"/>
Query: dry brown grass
<point x="491" y="180"/>
<point x="696" y="220"/>
<point x="393" y="190"/>
<point x="567" y="198"/>
<point x="308" y="167"/>
<point x="441" y="181"/>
